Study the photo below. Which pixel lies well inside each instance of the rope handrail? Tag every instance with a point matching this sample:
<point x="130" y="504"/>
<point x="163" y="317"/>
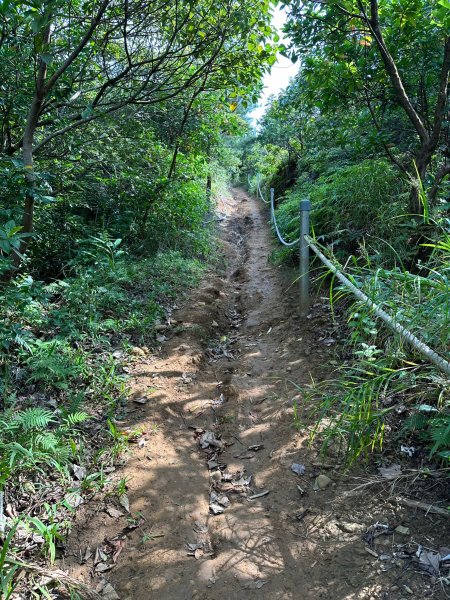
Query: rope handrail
<point x="260" y="193"/>
<point x="275" y="224"/>
<point x="305" y="242"/>
<point x="431" y="355"/>
<point x="272" y="214"/>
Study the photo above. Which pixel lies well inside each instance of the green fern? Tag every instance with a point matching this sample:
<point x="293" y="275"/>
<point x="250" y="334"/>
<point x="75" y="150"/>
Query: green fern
<point x="432" y="426"/>
<point x="52" y="364"/>
<point x="46" y="441"/>
<point x="440" y="434"/>
<point x="416" y="422"/>
<point x="34" y="418"/>
<point x="75" y="418"/>
<point x="33" y="439"/>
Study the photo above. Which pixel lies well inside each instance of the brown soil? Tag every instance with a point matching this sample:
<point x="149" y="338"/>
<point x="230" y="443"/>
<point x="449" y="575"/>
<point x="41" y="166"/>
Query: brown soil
<point x="283" y="545"/>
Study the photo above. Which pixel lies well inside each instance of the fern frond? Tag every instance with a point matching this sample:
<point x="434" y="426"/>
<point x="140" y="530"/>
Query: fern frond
<point x="46" y="441"/>
<point x="64" y="453"/>
<point x="440" y="434"/>
<point x="76" y="418"/>
<point x="416" y="422"/>
<point x="34" y="418"/>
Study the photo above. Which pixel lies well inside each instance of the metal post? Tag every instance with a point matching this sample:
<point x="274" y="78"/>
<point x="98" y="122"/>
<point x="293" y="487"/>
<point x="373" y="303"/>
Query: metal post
<point x="272" y="205"/>
<point x="305" y="207"/>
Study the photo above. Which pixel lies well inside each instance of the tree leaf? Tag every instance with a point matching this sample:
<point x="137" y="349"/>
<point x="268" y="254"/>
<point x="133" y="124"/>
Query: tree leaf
<point x="47" y="58"/>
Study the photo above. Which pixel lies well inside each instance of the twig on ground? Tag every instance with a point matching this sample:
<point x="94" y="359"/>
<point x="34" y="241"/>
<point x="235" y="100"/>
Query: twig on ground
<point x="428" y="508"/>
<point x="59" y="576"/>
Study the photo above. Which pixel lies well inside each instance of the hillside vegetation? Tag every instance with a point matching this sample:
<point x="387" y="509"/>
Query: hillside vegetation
<point x="362" y="132"/>
<point x="121" y="124"/>
<point x="114" y="121"/>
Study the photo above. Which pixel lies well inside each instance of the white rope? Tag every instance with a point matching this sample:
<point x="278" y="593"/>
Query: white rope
<point x="274" y="221"/>
<point x="260" y="193"/>
<point x="434" y="357"/>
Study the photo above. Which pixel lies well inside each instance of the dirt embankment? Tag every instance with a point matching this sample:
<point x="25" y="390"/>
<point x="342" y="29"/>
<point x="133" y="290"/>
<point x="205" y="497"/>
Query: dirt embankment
<point x="225" y="380"/>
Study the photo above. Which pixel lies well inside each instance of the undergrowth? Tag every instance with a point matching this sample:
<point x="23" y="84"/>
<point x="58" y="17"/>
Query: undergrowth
<point x="353" y="205"/>
<point x="388" y="393"/>
<point x="63" y="350"/>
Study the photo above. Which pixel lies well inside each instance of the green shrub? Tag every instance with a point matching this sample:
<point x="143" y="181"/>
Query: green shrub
<point x="176" y="219"/>
<point x="356" y="204"/>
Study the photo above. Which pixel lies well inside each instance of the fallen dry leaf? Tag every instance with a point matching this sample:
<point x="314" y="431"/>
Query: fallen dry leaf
<point x="124" y="502"/>
<point x="118" y="546"/>
<point x="391" y="472"/>
<point x="114" y="512"/>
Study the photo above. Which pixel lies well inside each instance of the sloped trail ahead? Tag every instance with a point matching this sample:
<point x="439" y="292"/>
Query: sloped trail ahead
<point x="256" y="548"/>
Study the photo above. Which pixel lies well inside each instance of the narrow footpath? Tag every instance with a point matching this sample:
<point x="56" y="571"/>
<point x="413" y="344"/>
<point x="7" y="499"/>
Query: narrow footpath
<point x="216" y="509"/>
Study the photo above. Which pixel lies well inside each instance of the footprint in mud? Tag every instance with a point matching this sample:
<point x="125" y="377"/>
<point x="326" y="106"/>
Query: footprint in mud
<point x="240" y="275"/>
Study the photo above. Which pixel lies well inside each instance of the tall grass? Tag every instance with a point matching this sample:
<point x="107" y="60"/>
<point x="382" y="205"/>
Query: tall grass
<point x="385" y="377"/>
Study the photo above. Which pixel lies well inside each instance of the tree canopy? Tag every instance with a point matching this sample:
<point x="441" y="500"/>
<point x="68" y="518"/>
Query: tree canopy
<point x="392" y="58"/>
<point x="68" y="65"/>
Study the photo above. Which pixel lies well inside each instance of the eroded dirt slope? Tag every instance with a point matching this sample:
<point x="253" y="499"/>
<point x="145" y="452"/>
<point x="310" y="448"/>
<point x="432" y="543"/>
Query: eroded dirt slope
<point x="224" y="380"/>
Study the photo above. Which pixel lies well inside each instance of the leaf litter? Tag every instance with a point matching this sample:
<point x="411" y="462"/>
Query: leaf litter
<point x="391" y="472"/>
<point x="114" y="512"/>
<point x="435" y="563"/>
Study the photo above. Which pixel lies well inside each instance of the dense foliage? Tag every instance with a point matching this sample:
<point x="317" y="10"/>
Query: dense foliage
<point x="116" y="121"/>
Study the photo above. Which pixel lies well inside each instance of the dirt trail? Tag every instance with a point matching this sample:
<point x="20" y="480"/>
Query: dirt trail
<point x="283" y="545"/>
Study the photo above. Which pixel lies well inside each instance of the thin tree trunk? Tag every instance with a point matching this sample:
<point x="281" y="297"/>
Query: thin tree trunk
<point x="422" y="162"/>
<point x="173" y="163"/>
<point x="440" y="175"/>
<point x="429" y="140"/>
<point x="27" y="154"/>
<point x="187" y="110"/>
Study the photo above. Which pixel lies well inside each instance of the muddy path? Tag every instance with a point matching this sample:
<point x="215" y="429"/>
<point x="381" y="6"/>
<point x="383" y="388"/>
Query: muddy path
<point x="228" y="371"/>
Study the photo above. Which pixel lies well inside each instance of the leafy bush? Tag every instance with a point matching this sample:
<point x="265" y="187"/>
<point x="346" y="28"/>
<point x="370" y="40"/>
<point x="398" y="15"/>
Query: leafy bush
<point x="265" y="164"/>
<point x="176" y="219"/>
<point x="356" y="204"/>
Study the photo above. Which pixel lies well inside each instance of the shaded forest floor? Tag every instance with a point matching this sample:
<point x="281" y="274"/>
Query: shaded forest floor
<point x="215" y="408"/>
